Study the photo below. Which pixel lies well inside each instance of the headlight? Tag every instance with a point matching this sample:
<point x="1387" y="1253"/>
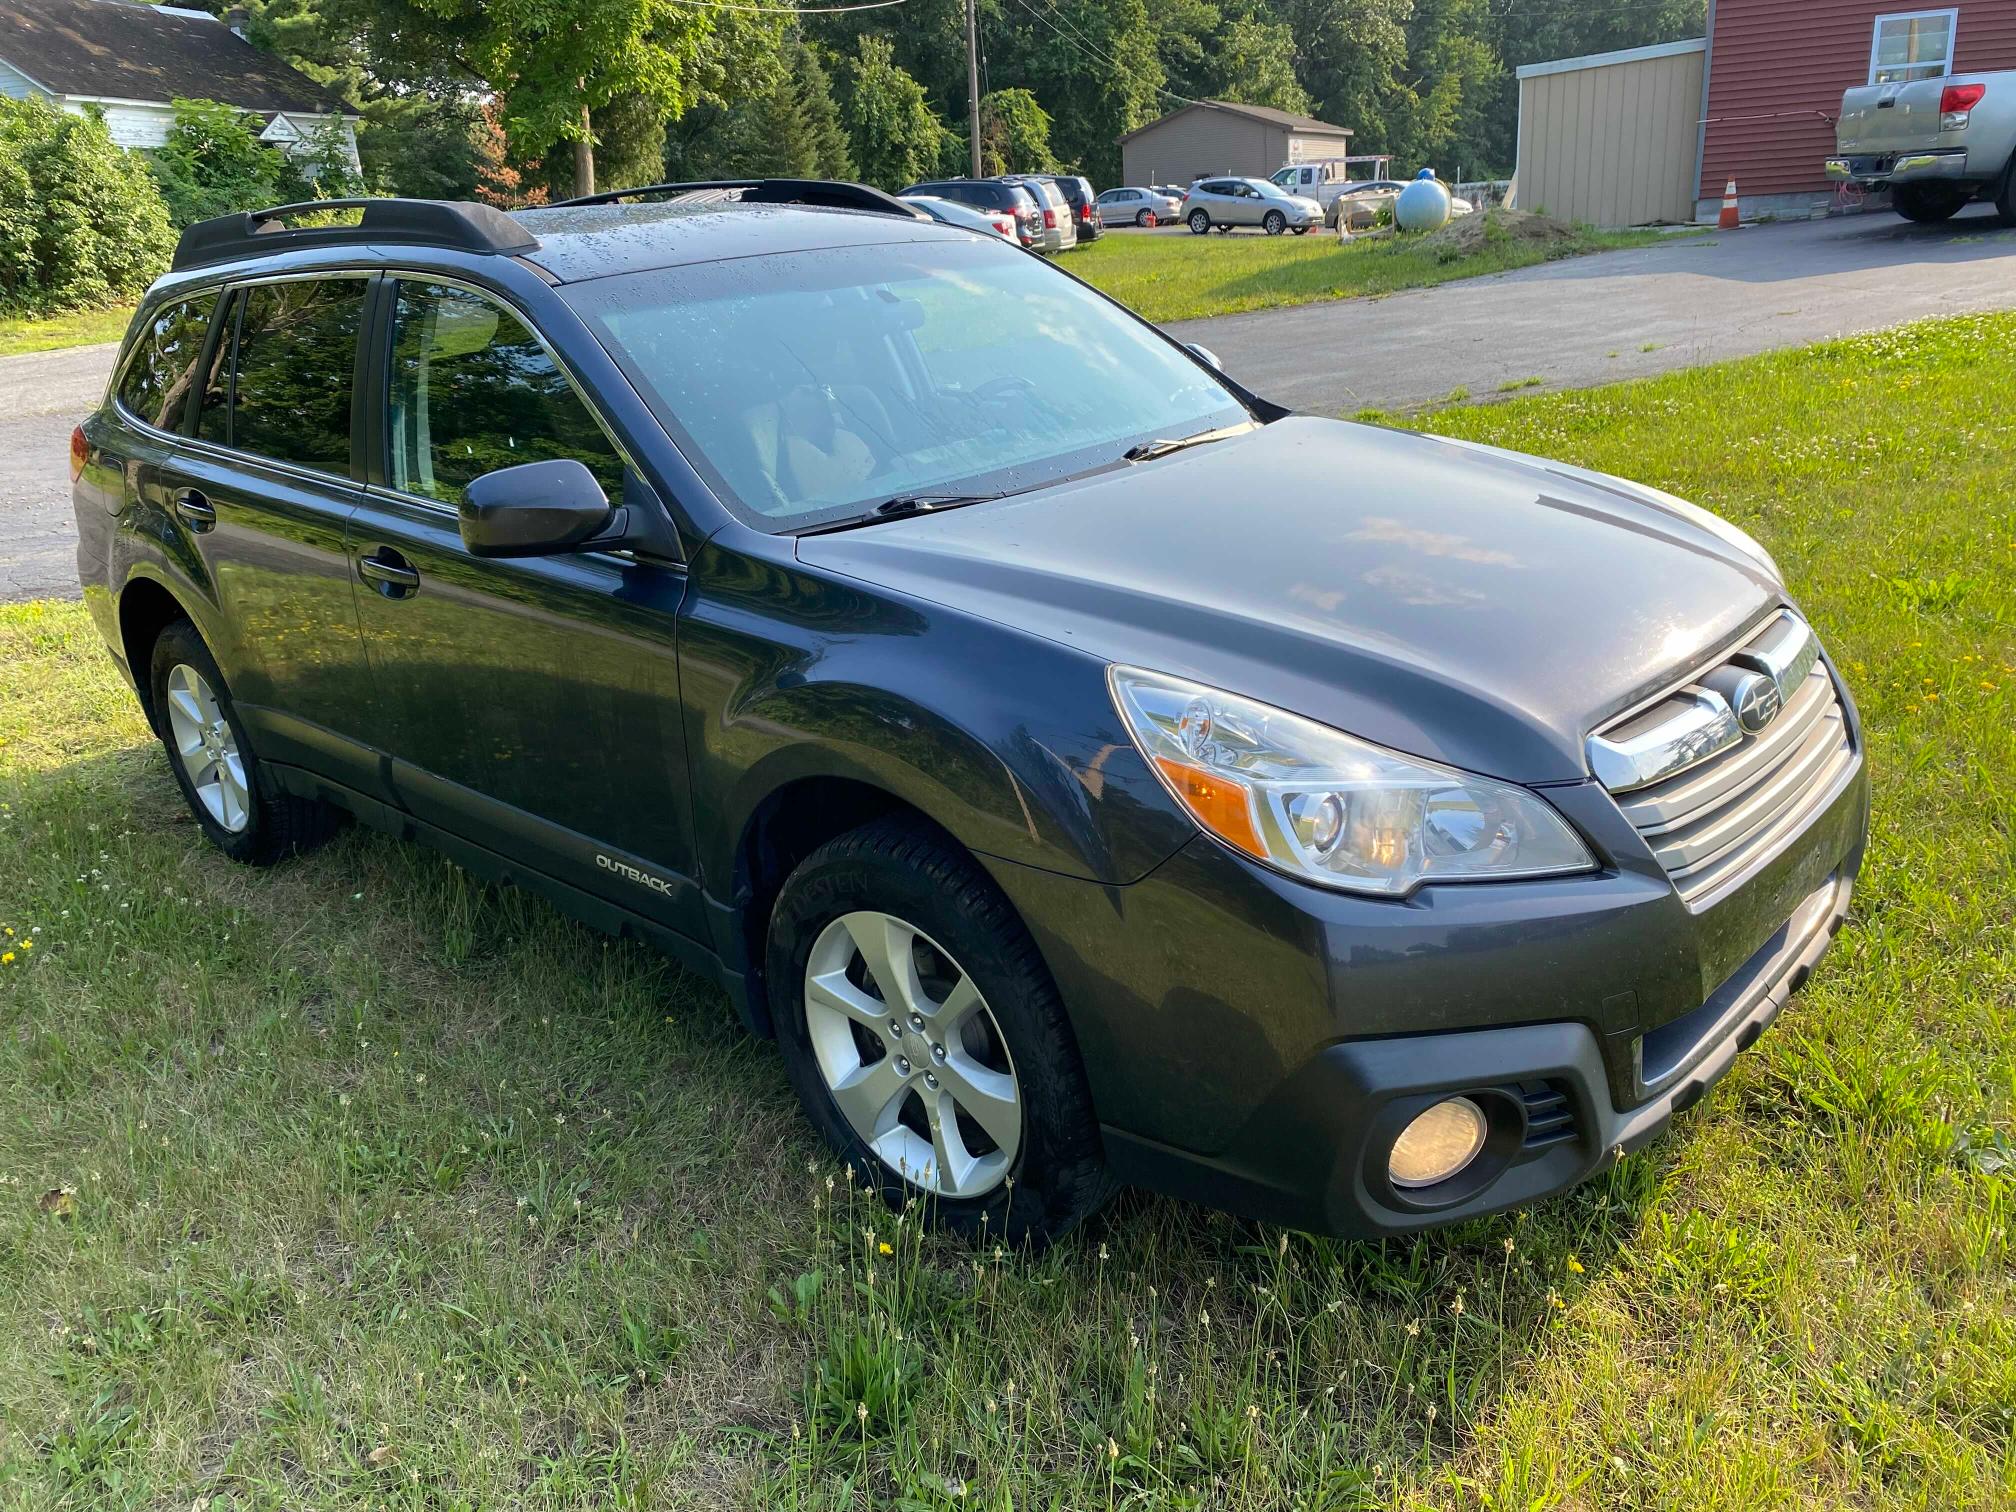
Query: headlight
<point x="1329" y="808"/>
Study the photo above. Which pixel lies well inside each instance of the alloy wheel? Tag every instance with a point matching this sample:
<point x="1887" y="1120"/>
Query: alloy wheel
<point x="207" y="748"/>
<point x="911" y="1055"/>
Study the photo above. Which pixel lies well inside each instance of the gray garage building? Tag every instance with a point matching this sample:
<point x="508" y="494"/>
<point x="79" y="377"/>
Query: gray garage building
<point x="1218" y="136"/>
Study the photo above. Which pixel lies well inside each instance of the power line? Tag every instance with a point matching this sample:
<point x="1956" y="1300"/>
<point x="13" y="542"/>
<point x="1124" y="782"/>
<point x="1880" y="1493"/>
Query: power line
<point x="789" y="10"/>
<point x="1086" y="45"/>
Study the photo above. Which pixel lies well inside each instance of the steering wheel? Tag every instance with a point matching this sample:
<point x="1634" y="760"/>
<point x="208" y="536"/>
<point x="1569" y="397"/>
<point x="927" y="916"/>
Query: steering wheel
<point x="1007" y="386"/>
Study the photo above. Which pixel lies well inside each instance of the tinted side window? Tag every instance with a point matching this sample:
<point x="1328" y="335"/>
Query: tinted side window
<point x="166" y="355"/>
<point x="473" y="390"/>
<point x="297" y="353"/>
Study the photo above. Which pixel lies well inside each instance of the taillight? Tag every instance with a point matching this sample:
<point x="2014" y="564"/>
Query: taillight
<point x="1049" y="220"/>
<point x="80" y="452"/>
<point x="1084" y="212"/>
<point x="1958" y="99"/>
<point x="1004" y="225"/>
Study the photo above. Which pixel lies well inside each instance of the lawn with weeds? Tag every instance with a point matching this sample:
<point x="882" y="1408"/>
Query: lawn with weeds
<point x="45" y="333"/>
<point x="1176" y="276"/>
<point x="353" y="1183"/>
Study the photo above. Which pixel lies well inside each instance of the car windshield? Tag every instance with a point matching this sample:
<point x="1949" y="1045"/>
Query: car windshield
<point x="808" y="387"/>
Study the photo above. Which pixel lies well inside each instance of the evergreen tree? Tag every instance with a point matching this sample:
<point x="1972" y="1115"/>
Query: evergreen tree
<point x="826" y="135"/>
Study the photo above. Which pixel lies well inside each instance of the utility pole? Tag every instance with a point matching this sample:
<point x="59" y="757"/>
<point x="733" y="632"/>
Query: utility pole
<point x="973" y="83"/>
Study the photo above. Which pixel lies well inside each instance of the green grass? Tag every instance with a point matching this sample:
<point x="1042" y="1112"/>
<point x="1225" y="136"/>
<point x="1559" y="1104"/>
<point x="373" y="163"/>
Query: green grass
<point x="77" y="328"/>
<point x="353" y="1183"/>
<point x="1182" y="277"/>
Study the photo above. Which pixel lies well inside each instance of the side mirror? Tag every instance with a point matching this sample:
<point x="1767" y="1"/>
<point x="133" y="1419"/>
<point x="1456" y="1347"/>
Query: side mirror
<point x="1203" y="354"/>
<point x="533" y="509"/>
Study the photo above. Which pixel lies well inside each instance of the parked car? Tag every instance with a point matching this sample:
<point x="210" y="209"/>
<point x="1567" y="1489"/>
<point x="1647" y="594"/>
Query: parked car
<point x="742" y="577"/>
<point x="1222" y="203"/>
<point x="1142" y="207"/>
<point x="1933" y="143"/>
<point x="995" y="222"/>
<point x="1078" y="195"/>
<point x="992" y="196"/>
<point x="1059" y="229"/>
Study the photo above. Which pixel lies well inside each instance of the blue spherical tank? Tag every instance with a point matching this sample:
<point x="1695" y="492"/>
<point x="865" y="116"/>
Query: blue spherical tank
<point x="1423" y="205"/>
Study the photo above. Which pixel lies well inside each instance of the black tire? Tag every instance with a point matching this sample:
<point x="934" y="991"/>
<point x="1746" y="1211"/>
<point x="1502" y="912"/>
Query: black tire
<point x="1145" y="219"/>
<point x="1273" y="223"/>
<point x="1200" y="222"/>
<point x="1301" y="230"/>
<point x="278" y="824"/>
<point x="1058" y="1177"/>
<point x="1927" y="204"/>
<point x="2005" y="197"/>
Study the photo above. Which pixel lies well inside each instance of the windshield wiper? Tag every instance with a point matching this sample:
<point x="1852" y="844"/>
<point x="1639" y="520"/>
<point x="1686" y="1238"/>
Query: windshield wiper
<point x="901" y="506"/>
<point x="1147" y="451"/>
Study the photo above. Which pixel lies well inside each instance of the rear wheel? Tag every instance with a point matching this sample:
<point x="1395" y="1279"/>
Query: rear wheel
<point x="2005" y="197"/>
<point x="213" y="761"/>
<point x="1927" y="204"/>
<point x="1274" y="223"/>
<point x="1200" y="222"/>
<point x="925" y="1039"/>
<point x="1301" y="230"/>
<point x="1144" y="219"/>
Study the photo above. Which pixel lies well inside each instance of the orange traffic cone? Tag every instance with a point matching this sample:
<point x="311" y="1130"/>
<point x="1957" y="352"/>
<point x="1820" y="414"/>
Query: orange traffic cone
<point x="1731" y="219"/>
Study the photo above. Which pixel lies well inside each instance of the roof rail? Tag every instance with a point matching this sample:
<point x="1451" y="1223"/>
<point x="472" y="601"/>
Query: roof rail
<point x="456" y="224"/>
<point x="832" y="194"/>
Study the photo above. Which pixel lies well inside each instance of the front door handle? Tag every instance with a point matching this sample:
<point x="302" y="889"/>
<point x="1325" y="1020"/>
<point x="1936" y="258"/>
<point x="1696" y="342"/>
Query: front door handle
<point x="195" y="510"/>
<point x="389" y="572"/>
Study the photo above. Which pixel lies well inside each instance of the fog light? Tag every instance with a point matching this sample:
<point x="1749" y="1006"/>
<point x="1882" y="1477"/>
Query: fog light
<point x="1437" y="1144"/>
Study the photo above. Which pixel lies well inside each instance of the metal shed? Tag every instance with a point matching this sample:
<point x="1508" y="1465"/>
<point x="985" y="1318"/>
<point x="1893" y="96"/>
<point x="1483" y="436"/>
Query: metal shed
<point x="1613" y="138"/>
<point x="1220" y="136"/>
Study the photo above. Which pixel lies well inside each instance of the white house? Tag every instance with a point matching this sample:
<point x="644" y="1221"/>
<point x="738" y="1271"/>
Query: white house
<point x="131" y="60"/>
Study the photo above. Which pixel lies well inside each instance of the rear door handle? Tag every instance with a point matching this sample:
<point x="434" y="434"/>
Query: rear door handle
<point x="195" y="510"/>
<point x="393" y="575"/>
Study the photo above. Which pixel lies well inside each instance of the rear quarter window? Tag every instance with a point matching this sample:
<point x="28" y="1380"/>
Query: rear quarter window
<point x="296" y="363"/>
<point x="162" y="365"/>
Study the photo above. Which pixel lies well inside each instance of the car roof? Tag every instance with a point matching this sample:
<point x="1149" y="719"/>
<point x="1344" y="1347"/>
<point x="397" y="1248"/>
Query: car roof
<point x="578" y="242"/>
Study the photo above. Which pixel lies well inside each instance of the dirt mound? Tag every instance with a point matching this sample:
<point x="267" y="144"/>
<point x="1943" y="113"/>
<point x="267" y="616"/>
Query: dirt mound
<point x="1468" y="233"/>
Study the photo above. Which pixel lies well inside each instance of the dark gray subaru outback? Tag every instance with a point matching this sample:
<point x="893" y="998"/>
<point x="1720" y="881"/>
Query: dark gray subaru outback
<point x="1085" y="770"/>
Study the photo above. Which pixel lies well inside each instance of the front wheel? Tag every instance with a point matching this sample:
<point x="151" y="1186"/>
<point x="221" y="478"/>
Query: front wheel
<point x="1927" y="204"/>
<point x="213" y="762"/>
<point x="1274" y="223"/>
<point x="921" y="1031"/>
<point x="1200" y="222"/>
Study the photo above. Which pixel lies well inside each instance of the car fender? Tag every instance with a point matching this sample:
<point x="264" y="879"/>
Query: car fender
<point x="1008" y="741"/>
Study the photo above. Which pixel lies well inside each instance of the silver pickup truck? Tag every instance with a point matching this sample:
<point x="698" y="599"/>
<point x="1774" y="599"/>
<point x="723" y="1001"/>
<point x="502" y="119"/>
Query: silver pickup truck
<point x="1934" y="144"/>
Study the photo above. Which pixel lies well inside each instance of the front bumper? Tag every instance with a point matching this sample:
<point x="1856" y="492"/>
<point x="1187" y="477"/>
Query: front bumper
<point x="1933" y="164"/>
<point x="1254" y="1044"/>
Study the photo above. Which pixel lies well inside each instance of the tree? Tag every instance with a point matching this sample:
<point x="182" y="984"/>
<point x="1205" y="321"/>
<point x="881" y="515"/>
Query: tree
<point x="81" y="221"/>
<point x="553" y="63"/>
<point x="896" y="136"/>
<point x="1015" y="134"/>
<point x="497" y="180"/>
<point x="213" y="163"/>
<point x="1252" y="60"/>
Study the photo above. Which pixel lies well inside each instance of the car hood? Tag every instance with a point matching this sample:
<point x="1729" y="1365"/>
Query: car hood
<point x="1445" y="599"/>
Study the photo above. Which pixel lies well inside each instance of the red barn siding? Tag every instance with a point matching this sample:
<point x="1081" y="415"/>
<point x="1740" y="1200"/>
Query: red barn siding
<point x="1779" y="67"/>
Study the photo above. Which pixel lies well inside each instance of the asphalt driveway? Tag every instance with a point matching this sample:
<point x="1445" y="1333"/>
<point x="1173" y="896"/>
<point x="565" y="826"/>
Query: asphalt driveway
<point x="1614" y="315"/>
<point x="1585" y="321"/>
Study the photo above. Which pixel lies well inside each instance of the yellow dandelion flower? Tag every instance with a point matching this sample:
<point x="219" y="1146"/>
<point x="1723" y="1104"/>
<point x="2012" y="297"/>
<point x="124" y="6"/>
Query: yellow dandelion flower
<point x="886" y="1248"/>
<point x="1574" y="1265"/>
<point x="6" y="958"/>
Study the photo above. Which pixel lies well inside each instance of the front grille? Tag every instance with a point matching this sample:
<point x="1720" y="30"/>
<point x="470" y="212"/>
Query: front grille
<point x="1720" y="816"/>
